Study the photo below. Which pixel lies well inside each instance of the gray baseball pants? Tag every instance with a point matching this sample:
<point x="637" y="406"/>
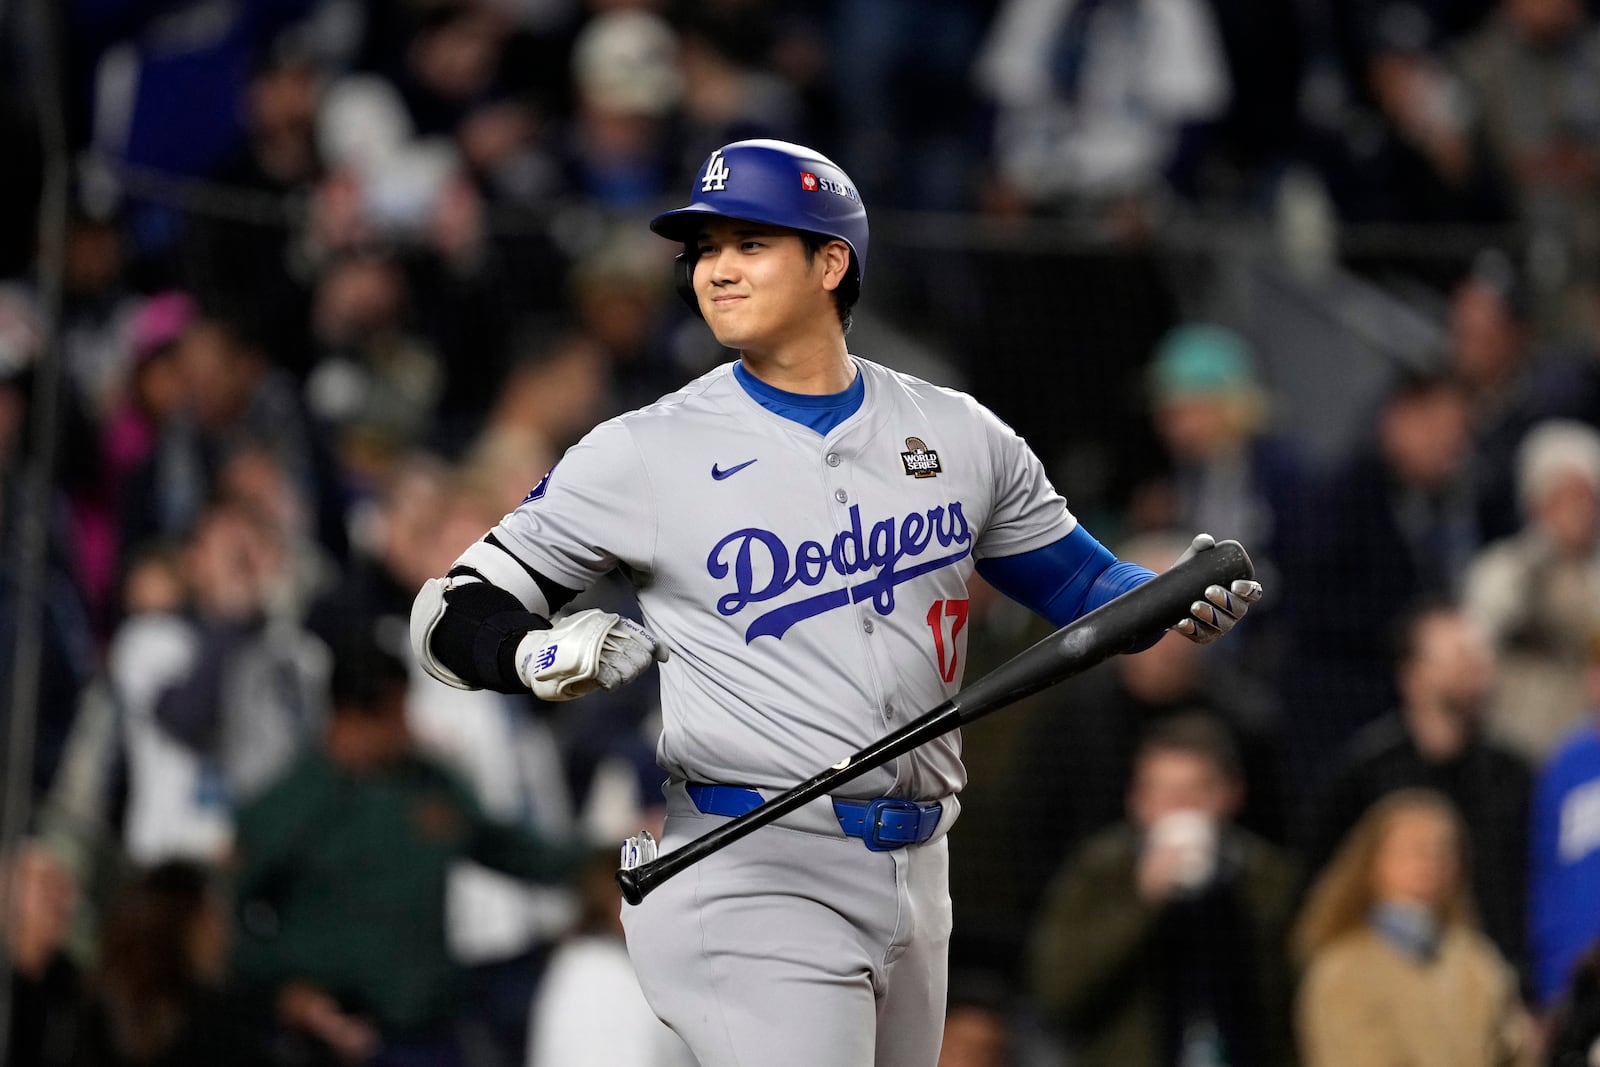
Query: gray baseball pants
<point x="797" y="947"/>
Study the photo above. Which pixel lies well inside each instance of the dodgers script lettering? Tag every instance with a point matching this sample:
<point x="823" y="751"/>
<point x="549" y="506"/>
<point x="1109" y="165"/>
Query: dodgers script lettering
<point x="763" y="567"/>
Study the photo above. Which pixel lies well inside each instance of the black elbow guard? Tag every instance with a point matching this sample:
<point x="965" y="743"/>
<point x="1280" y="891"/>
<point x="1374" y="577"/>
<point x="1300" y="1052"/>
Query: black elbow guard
<point x="477" y="636"/>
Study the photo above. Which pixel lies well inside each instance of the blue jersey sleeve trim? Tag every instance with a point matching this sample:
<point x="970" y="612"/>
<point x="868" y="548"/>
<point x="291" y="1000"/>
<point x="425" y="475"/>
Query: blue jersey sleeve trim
<point x="1065" y="579"/>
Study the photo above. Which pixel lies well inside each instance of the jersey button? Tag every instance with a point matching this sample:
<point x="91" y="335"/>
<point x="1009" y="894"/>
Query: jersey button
<point x="840" y="495"/>
<point x="833" y="459"/>
<point x="866" y="624"/>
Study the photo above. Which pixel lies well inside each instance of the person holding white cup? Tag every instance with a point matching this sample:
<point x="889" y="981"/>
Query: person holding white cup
<point x="1161" y="941"/>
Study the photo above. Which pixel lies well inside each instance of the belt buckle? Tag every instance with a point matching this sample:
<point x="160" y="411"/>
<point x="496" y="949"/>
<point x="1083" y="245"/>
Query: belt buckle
<point x="872" y="825"/>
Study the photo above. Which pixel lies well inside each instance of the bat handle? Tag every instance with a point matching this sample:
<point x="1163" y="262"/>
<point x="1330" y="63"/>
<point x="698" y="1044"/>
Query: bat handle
<point x="636" y="883"/>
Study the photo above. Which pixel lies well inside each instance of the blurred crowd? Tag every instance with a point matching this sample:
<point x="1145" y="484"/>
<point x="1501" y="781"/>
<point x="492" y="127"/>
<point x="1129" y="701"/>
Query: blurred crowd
<point x="343" y="278"/>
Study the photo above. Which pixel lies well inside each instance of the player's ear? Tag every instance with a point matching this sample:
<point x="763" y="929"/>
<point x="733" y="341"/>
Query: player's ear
<point x="835" y="259"/>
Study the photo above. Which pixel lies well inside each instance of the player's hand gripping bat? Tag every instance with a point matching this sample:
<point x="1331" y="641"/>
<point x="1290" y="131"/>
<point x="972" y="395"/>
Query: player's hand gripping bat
<point x="1074" y="648"/>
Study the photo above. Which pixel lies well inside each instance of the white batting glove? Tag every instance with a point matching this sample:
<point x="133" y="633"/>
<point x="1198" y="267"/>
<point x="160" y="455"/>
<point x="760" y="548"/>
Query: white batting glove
<point x="585" y="651"/>
<point x="1214" y="616"/>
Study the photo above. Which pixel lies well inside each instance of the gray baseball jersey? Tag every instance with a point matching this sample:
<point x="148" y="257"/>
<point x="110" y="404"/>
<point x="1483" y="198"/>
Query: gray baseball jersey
<point x="812" y="589"/>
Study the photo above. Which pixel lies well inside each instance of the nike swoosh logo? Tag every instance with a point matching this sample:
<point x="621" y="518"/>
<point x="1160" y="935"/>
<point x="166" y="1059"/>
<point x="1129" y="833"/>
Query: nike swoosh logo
<point x="719" y="474"/>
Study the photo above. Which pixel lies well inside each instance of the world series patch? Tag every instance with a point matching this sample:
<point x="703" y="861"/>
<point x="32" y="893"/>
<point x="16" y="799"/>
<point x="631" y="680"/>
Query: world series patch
<point x="920" y="460"/>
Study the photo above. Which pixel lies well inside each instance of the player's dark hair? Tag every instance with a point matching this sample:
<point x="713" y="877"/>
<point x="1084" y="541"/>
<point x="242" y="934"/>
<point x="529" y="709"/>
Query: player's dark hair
<point x="1195" y="733"/>
<point x="849" y="290"/>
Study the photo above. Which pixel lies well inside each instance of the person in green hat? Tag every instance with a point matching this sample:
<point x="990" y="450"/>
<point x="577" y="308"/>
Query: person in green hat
<point x="1226" y="469"/>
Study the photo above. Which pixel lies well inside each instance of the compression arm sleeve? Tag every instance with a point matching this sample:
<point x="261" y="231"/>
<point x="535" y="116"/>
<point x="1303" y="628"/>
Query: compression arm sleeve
<point x="1066" y="579"/>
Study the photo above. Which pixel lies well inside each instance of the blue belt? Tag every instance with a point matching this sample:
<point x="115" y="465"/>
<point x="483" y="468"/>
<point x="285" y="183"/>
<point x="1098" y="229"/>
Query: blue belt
<point x="883" y="825"/>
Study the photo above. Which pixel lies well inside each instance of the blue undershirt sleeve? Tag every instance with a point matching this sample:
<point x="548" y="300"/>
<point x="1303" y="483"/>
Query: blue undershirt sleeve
<point x="1066" y="579"/>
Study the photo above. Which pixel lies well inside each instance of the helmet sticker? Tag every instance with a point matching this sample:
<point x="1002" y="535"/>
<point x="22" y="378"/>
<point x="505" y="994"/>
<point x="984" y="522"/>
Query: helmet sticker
<point x="715" y="178"/>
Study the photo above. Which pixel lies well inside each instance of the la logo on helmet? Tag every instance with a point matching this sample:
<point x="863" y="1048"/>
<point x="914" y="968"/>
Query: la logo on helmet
<point x="716" y="175"/>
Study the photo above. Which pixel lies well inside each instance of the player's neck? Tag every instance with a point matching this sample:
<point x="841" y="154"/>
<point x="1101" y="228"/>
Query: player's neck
<point x="816" y="369"/>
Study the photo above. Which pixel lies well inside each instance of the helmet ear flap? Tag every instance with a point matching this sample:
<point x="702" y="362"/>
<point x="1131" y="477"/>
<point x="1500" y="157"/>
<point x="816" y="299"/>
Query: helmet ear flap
<point x="683" y="278"/>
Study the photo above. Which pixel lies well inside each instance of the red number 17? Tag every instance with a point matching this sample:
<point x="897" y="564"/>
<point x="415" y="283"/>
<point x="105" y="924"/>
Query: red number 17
<point x="956" y="612"/>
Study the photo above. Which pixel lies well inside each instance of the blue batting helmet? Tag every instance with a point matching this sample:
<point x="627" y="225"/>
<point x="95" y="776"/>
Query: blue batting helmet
<point x="778" y="183"/>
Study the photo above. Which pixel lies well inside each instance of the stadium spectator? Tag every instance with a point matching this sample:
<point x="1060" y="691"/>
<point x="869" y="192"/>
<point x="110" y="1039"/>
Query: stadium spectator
<point x="1535" y="592"/>
<point x="450" y="65"/>
<point x="374" y="381"/>
<point x="1395" y="968"/>
<point x="508" y="751"/>
<point x="556" y="388"/>
<point x="99" y="295"/>
<point x="1445" y="673"/>
<point x="394" y="175"/>
<point x="1267" y="46"/>
<point x="248" y="265"/>
<point x="1534" y="72"/>
<point x="217" y="701"/>
<point x="589" y="1008"/>
<point x="1228" y="469"/>
<point x="66" y="642"/>
<point x="150" y="394"/>
<point x="48" y="1001"/>
<point x="1391" y="523"/>
<point x="902" y="72"/>
<point x="620" y="295"/>
<point x="232" y="396"/>
<point x="619" y="151"/>
<point x="83" y="814"/>
<point x="1075" y="754"/>
<point x="728" y="92"/>
<point x="1099" y="106"/>
<point x="1162" y="940"/>
<point x="396" y="541"/>
<point x="1575" y="1024"/>
<point x="1491" y="349"/>
<point x="1407" y="147"/>
<point x="253" y="692"/>
<point x="162" y="991"/>
<point x="422" y="511"/>
<point x="342" y="872"/>
<point x="1564" y="875"/>
<point x="978" y="1027"/>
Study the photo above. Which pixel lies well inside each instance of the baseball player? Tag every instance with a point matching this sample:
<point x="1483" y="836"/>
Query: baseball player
<point x="801" y="526"/>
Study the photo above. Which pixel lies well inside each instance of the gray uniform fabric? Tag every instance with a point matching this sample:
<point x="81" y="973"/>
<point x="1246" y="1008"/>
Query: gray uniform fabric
<point x="812" y="590"/>
<point x="795" y="594"/>
<point x="794" y="948"/>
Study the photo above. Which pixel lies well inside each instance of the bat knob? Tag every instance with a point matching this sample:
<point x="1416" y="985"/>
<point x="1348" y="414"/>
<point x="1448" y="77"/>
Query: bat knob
<point x="632" y="891"/>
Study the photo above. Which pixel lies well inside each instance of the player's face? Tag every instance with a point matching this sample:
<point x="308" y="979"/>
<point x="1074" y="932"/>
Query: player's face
<point x="757" y="287"/>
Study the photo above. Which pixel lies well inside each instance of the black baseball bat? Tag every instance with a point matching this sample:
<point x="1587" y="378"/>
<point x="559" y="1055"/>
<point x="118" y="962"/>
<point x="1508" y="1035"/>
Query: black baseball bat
<point x="1073" y="649"/>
